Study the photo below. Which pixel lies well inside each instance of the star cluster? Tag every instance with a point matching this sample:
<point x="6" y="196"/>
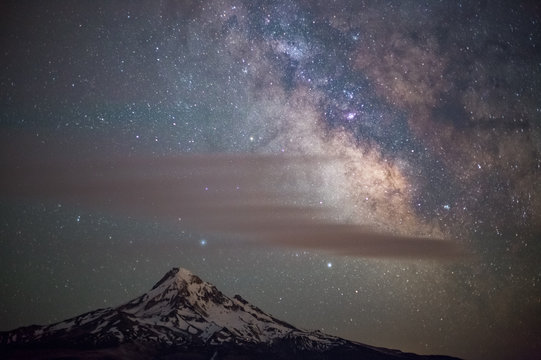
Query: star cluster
<point x="420" y="120"/>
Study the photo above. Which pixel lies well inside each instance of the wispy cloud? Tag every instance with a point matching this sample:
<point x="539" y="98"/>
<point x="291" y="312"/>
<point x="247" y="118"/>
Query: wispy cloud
<point x="251" y="199"/>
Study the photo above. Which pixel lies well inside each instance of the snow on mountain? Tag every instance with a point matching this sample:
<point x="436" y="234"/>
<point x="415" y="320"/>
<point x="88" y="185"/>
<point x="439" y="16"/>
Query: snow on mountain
<point x="183" y="301"/>
<point x="180" y="309"/>
<point x="185" y="313"/>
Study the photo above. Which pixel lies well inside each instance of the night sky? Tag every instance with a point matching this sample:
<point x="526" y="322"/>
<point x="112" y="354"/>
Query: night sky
<point x="370" y="169"/>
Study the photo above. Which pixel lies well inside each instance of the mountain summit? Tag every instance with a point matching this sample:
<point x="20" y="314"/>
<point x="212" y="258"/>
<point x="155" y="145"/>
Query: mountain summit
<point x="183" y="317"/>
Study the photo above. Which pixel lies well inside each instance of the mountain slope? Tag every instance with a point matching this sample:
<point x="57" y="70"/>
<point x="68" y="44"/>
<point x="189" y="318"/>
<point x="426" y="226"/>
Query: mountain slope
<point x="183" y="317"/>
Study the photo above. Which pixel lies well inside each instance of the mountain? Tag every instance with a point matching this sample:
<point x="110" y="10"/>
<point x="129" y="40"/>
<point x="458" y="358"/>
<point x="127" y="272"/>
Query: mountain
<point x="183" y="317"/>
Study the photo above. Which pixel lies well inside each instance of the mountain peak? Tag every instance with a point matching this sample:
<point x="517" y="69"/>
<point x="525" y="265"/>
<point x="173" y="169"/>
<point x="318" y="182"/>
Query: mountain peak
<point x="188" y="303"/>
<point x="179" y="290"/>
<point x="178" y="275"/>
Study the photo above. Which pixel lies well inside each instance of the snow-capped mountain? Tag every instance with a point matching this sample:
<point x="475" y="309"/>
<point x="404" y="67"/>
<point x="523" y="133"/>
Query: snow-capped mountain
<point x="183" y="316"/>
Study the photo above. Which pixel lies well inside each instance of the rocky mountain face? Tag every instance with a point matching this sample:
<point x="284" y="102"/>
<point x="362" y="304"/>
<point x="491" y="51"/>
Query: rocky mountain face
<point x="183" y="317"/>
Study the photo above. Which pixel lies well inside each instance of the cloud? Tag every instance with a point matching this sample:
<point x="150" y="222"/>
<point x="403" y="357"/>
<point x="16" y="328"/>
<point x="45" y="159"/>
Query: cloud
<point x="253" y="199"/>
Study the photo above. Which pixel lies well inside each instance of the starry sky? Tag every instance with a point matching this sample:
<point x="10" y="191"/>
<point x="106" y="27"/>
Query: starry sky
<point x="370" y="169"/>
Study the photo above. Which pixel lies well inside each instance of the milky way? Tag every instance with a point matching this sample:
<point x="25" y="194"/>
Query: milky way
<point x="375" y="164"/>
